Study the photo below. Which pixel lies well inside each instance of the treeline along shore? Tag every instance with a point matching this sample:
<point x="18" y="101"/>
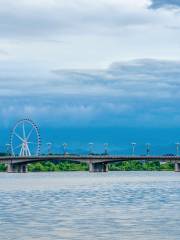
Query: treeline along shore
<point x="120" y="166"/>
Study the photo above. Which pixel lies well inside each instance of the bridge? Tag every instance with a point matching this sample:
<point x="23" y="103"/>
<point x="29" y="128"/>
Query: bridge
<point x="24" y="148"/>
<point x="97" y="163"/>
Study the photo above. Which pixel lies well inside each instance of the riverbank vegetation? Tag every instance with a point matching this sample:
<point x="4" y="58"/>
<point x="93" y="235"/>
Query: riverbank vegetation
<point x="61" y="166"/>
<point x="141" y="166"/>
<point x="120" y="166"/>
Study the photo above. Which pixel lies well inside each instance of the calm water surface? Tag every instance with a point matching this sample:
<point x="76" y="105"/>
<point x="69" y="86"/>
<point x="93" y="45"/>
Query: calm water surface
<point x="114" y="205"/>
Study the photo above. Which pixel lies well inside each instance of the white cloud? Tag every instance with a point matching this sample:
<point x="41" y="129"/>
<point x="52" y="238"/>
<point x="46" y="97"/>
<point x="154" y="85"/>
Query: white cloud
<point x="86" y="34"/>
<point x="36" y="18"/>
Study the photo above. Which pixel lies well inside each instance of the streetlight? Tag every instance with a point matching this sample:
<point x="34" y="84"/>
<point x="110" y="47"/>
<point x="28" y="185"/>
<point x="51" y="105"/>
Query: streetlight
<point x="49" y="144"/>
<point x="177" y="148"/>
<point x="65" y="148"/>
<point x="148" y="149"/>
<point x="91" y="148"/>
<point x="133" y="148"/>
<point x="106" y="148"/>
<point x="8" y="149"/>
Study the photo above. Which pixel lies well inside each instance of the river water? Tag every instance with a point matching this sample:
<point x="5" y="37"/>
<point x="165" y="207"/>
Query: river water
<point x="80" y="205"/>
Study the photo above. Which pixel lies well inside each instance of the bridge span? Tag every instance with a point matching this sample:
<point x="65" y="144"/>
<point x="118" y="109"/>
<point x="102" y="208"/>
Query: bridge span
<point x="97" y="163"/>
<point x="25" y="142"/>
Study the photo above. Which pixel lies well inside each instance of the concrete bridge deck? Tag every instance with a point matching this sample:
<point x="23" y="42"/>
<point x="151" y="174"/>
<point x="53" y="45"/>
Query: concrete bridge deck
<point x="97" y="163"/>
<point x="86" y="158"/>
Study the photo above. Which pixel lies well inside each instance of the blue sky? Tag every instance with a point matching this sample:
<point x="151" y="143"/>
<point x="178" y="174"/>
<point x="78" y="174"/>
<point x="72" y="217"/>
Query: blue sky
<point x="80" y="65"/>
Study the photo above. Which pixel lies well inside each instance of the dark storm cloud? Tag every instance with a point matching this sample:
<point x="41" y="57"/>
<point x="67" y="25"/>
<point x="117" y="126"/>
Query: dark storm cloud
<point x="165" y="3"/>
<point x="145" y="92"/>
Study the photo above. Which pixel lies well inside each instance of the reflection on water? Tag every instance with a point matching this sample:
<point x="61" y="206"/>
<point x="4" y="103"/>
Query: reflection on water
<point x="114" y="205"/>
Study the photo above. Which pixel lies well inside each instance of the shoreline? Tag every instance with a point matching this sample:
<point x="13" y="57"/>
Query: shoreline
<point x="121" y="166"/>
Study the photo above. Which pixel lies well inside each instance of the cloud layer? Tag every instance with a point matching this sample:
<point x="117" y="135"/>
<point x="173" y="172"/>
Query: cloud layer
<point x="52" y="19"/>
<point x="86" y="34"/>
<point x="69" y="62"/>
<point x="140" y="92"/>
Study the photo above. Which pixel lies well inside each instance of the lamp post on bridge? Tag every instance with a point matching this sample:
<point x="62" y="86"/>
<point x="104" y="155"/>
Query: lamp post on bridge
<point x="8" y="149"/>
<point x="148" y="145"/>
<point x="177" y="148"/>
<point x="106" y="148"/>
<point x="49" y="144"/>
<point x="133" y="148"/>
<point x="91" y="144"/>
<point x="65" y="148"/>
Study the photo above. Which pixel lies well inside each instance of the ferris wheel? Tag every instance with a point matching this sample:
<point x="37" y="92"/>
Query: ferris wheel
<point x="25" y="139"/>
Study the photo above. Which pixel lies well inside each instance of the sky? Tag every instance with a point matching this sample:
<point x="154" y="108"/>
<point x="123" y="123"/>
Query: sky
<point x="77" y="65"/>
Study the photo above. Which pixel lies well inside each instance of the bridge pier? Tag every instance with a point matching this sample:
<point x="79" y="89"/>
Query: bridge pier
<point x="177" y="167"/>
<point x="17" y="168"/>
<point x="98" y="167"/>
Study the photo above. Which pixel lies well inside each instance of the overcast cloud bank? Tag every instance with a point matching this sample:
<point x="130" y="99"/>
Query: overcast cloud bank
<point x="141" y="92"/>
<point x="70" y="63"/>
